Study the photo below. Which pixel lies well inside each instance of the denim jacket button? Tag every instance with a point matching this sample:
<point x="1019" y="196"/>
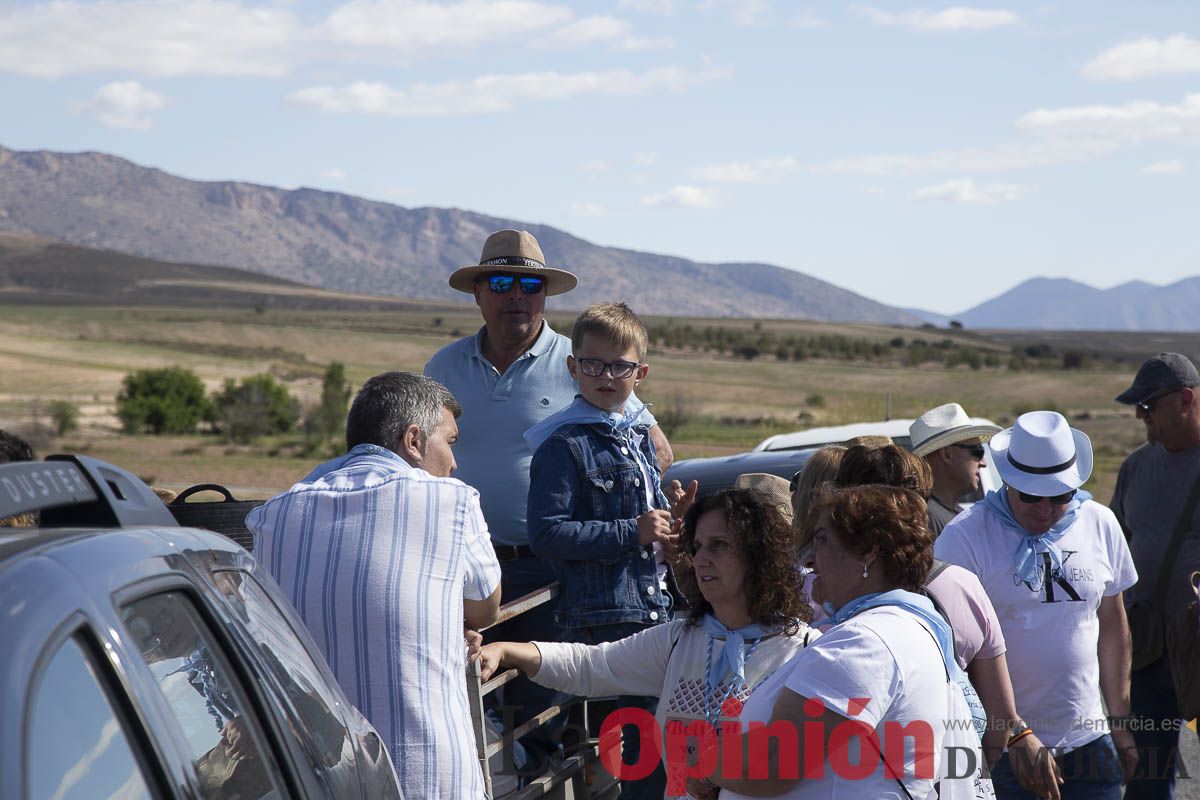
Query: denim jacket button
<point x="653" y="615"/>
<point x="649" y="590"/>
<point x="645" y="554"/>
<point x="608" y="484"/>
<point x="637" y="481"/>
<point x="624" y="451"/>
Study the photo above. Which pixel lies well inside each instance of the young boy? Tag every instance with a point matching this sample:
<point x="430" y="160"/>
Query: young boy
<point x="595" y="508"/>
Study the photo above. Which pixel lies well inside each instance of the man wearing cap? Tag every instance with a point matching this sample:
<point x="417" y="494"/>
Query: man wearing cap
<point x="1055" y="564"/>
<point x="952" y="446"/>
<point x="509" y="376"/>
<point x="1152" y="493"/>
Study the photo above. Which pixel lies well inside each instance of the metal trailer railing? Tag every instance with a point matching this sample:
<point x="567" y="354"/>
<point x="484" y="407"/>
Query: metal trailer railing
<point x="576" y="777"/>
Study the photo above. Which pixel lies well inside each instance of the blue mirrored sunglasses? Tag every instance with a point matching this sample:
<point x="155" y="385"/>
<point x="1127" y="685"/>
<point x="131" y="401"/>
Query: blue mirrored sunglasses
<point x="502" y="283"/>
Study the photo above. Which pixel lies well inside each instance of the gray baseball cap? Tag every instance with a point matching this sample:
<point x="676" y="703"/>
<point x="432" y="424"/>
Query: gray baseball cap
<point x="1166" y="372"/>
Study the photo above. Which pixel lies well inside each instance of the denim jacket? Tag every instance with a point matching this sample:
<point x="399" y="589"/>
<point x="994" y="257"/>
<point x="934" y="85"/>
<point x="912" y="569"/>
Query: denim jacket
<point x="585" y="494"/>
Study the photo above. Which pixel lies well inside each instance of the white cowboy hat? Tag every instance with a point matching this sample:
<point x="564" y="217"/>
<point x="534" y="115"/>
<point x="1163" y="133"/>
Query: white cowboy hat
<point x="513" y="251"/>
<point x="943" y="426"/>
<point x="1042" y="455"/>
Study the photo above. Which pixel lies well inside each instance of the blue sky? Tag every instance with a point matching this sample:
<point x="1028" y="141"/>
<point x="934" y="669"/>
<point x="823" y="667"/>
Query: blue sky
<point x="921" y="154"/>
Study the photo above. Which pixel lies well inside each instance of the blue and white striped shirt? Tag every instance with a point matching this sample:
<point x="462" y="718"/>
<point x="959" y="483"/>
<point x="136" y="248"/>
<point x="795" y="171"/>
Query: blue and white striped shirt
<point x="377" y="557"/>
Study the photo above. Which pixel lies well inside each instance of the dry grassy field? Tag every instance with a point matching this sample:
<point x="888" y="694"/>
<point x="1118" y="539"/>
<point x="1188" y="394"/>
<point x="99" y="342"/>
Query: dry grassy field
<point x="728" y="404"/>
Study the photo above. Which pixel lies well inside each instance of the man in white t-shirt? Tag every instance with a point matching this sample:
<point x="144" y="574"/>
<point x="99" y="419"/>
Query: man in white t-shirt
<point x="1054" y="564"/>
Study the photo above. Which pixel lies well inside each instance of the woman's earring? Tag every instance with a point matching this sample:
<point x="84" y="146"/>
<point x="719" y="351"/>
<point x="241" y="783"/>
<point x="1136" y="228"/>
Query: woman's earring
<point x="865" y="575"/>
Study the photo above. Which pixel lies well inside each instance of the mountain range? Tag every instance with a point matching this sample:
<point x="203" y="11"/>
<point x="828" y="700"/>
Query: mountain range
<point x="349" y="244"/>
<point x="343" y="243"/>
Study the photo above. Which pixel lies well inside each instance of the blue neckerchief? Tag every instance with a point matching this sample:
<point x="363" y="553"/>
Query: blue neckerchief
<point x="622" y="424"/>
<point x="1025" y="558"/>
<point x="358" y="451"/>
<point x="582" y="412"/>
<point x="923" y="608"/>
<point x="911" y="602"/>
<point x="733" y="655"/>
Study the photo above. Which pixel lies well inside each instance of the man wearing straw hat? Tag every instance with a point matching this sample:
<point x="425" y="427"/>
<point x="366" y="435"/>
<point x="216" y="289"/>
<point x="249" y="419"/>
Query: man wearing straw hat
<point x="1154" y="501"/>
<point x="952" y="446"/>
<point x="1055" y="565"/>
<point x="509" y="376"/>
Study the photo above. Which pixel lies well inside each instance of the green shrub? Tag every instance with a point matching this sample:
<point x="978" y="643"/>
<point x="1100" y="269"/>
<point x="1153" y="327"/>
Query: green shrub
<point x="258" y="406"/>
<point x="65" y="415"/>
<point x="167" y="400"/>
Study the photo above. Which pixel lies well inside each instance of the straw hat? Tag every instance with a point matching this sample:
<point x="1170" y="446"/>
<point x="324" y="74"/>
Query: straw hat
<point x="776" y="490"/>
<point x="513" y="251"/>
<point x="943" y="426"/>
<point x="1042" y="455"/>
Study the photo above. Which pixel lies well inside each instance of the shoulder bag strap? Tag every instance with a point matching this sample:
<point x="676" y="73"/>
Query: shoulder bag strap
<point x="1160" y="588"/>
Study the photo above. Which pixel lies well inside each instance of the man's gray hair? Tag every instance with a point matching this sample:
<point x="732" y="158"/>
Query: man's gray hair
<point x="387" y="404"/>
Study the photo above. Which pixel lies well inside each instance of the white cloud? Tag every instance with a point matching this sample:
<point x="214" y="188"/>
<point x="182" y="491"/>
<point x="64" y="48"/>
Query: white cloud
<point x="1162" y="168"/>
<point x="1056" y="136"/>
<point x="147" y="37"/>
<point x="684" y="197"/>
<point x="749" y="13"/>
<point x="168" y="38"/>
<point x="645" y="158"/>
<point x="589" y="30"/>
<point x="124" y="104"/>
<point x="1000" y="158"/>
<point x="408" y="27"/>
<point x="955" y="18"/>
<point x="766" y="170"/>
<point x="588" y="210"/>
<point x="334" y="174"/>
<point x="806" y="20"/>
<point x="649" y="6"/>
<point x="1142" y="58"/>
<point x="1132" y="122"/>
<point x="595" y="167"/>
<point x="966" y="192"/>
<point x="745" y="13"/>
<point x="491" y="94"/>
<point x="874" y="191"/>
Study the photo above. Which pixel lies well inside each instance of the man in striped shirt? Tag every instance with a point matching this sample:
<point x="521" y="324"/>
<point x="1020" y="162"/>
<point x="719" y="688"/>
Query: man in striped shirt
<point x="387" y="559"/>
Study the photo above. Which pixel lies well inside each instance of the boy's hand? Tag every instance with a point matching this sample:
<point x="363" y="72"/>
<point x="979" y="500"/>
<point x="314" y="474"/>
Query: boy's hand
<point x="654" y="526"/>
<point x="679" y="498"/>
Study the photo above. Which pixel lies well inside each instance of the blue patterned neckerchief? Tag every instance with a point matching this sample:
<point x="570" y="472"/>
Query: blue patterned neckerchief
<point x="1025" y="557"/>
<point x="733" y="656"/>
<point x="621" y="424"/>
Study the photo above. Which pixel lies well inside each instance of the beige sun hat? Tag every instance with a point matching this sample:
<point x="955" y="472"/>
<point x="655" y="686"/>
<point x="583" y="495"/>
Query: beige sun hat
<point x="776" y="490"/>
<point x="519" y="252"/>
<point x="943" y="426"/>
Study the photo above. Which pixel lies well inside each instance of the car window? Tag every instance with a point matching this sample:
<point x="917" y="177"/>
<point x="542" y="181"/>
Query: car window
<point x="223" y="741"/>
<point x="313" y="707"/>
<point x="78" y="749"/>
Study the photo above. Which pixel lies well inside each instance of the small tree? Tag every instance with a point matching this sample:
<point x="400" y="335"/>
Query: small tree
<point x="257" y="406"/>
<point x="65" y="415"/>
<point x="167" y="400"/>
<point x="328" y="420"/>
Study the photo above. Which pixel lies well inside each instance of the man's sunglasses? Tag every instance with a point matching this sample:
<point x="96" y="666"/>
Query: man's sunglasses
<point x="503" y="283"/>
<point x="1147" y="405"/>
<point x="976" y="450"/>
<point x="1057" y="500"/>
<point x="594" y="367"/>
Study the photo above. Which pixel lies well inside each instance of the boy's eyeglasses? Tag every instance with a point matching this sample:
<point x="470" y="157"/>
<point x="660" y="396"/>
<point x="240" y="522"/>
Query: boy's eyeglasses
<point x="976" y="450"/>
<point x="594" y="367"/>
<point x="1057" y="500"/>
<point x="503" y="284"/>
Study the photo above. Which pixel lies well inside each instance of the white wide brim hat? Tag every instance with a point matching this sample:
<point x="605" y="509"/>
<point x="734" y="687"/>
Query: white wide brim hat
<point x="1042" y="455"/>
<point x="943" y="426"/>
